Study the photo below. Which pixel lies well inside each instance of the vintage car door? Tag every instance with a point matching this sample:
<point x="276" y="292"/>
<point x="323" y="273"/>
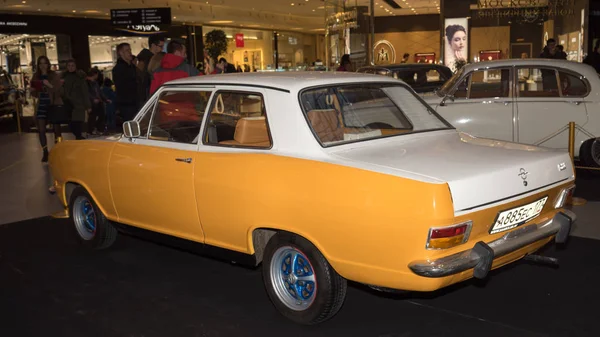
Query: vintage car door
<point x="481" y="104"/>
<point x="547" y="100"/>
<point x="152" y="177"/>
<point x="233" y="157"/>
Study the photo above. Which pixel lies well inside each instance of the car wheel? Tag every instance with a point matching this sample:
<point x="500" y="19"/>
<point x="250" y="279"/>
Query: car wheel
<point x="589" y="153"/>
<point x="300" y="282"/>
<point x="91" y="226"/>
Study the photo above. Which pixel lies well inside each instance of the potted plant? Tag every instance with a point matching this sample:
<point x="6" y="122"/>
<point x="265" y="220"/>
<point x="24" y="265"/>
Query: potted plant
<point x="215" y="44"/>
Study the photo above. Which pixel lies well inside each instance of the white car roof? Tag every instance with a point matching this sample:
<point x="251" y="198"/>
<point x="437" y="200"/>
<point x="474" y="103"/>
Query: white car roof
<point x="289" y="80"/>
<point x="581" y="68"/>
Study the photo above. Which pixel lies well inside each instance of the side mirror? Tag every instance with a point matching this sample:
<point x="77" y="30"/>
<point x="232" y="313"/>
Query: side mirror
<point x="450" y="97"/>
<point x="131" y="129"/>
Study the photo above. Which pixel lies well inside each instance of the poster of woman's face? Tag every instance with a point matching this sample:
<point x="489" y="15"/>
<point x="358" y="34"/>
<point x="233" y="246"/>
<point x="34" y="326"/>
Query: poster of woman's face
<point x="457" y="42"/>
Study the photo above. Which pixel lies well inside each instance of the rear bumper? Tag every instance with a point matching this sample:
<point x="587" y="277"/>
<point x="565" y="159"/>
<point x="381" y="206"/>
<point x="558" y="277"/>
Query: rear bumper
<point x="481" y="256"/>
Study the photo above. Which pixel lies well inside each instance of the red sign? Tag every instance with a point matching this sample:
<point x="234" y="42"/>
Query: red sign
<point x="239" y="40"/>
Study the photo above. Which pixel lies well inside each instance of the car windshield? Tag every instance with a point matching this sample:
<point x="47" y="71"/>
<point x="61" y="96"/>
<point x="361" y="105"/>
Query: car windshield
<point x="451" y="82"/>
<point x="353" y="112"/>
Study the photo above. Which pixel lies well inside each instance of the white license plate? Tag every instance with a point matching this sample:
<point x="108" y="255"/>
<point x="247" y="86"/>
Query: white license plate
<point x="517" y="216"/>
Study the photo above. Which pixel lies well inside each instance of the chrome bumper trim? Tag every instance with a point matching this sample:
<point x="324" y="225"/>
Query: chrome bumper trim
<point x="479" y="259"/>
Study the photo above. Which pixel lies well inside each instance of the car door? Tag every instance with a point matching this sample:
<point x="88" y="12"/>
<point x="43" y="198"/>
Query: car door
<point x="235" y="152"/>
<point x="152" y="177"/>
<point x="482" y="104"/>
<point x="547" y="100"/>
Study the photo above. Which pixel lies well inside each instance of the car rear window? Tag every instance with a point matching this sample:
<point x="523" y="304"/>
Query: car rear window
<point x="356" y="112"/>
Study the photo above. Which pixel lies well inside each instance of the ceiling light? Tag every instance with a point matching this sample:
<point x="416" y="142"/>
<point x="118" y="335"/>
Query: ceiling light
<point x="292" y="4"/>
<point x="24" y="1"/>
<point x="221" y="21"/>
<point x="74" y="11"/>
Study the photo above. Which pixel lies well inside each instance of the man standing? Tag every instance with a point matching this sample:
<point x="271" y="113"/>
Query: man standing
<point x="126" y="83"/>
<point x="550" y="51"/>
<point x="156" y="43"/>
<point x="173" y="66"/>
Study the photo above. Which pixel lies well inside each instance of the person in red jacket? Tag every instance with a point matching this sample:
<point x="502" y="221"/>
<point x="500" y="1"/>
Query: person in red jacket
<point x="173" y="66"/>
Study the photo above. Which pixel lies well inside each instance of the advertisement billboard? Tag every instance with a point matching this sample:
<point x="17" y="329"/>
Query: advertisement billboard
<point x="456" y="45"/>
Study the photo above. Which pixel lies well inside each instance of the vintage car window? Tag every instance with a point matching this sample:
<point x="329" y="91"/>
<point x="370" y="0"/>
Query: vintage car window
<point x="178" y="116"/>
<point x="572" y="85"/>
<point x="347" y="113"/>
<point x="145" y="122"/>
<point x="237" y="119"/>
<point x="537" y="82"/>
<point x="490" y="83"/>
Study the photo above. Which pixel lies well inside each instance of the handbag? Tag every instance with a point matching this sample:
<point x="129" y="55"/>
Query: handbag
<point x="60" y="114"/>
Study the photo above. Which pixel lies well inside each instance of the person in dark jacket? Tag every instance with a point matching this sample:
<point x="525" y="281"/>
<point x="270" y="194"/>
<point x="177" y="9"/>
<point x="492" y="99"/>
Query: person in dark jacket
<point x="77" y="94"/>
<point x="225" y="67"/>
<point x="593" y="59"/>
<point x="550" y="51"/>
<point x="125" y="76"/>
<point x="156" y="43"/>
<point x="173" y="66"/>
<point x="97" y="100"/>
<point x="111" y="110"/>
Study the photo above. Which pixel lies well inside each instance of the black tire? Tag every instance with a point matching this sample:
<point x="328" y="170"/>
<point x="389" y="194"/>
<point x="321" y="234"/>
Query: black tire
<point x="586" y="156"/>
<point x="329" y="291"/>
<point x="585" y="153"/>
<point x="104" y="233"/>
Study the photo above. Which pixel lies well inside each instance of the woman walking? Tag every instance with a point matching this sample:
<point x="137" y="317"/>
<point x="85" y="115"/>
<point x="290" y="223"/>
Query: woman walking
<point x="46" y="87"/>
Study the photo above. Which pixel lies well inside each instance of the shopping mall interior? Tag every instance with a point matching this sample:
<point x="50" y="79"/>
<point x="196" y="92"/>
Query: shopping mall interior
<point x="306" y="202"/>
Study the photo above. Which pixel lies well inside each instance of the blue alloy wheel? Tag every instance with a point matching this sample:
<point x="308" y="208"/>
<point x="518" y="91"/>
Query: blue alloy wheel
<point x="293" y="278"/>
<point x="84" y="217"/>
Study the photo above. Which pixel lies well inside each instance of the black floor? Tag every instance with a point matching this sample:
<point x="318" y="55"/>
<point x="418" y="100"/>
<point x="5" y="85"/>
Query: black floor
<point x="49" y="286"/>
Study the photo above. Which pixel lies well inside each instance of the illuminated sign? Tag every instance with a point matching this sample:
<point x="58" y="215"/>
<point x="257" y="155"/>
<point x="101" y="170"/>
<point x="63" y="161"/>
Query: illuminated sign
<point x="13" y="23"/>
<point x="384" y="52"/>
<point x="141" y="16"/>
<point x="530" y="10"/>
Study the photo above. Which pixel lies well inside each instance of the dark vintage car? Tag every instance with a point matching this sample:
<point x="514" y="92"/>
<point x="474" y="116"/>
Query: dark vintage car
<point x="422" y="77"/>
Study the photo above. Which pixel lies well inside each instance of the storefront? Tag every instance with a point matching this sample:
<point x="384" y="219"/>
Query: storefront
<point x="476" y="31"/>
<point x="252" y="50"/>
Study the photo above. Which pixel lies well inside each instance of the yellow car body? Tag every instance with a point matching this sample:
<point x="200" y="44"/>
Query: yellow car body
<point x="371" y="225"/>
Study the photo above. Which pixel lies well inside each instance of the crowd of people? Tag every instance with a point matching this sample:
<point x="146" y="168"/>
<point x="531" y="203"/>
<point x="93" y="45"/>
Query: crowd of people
<point x="93" y="105"/>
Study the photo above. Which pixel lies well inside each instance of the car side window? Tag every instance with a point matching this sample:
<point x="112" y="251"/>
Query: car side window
<point x="572" y="85"/>
<point x="485" y="84"/>
<point x="145" y="123"/>
<point x="237" y="119"/>
<point x="178" y="116"/>
<point x="537" y="82"/>
<point x="490" y="83"/>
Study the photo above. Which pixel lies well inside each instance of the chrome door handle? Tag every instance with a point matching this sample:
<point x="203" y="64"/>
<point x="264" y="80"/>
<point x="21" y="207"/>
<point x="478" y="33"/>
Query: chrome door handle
<point x="575" y="102"/>
<point x="501" y="102"/>
<point x="185" y="160"/>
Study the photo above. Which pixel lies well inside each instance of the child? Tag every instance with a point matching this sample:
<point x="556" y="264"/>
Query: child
<point x="107" y="90"/>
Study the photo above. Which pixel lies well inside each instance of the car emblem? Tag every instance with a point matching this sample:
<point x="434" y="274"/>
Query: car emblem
<point x="562" y="167"/>
<point x="523" y="174"/>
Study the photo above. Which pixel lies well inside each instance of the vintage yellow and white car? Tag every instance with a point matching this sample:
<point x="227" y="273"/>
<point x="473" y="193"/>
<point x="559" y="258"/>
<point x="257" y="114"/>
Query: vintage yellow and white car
<point x="320" y="178"/>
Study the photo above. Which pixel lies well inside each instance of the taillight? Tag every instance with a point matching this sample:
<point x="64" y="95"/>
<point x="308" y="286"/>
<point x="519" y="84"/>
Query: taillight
<point x="450" y="236"/>
<point x="563" y="196"/>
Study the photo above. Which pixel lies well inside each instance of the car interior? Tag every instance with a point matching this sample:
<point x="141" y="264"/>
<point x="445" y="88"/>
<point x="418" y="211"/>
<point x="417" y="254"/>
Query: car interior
<point x="342" y="114"/>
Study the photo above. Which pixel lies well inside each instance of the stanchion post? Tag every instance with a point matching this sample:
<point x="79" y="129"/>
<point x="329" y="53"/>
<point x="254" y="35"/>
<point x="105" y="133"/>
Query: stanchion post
<point x="573" y="200"/>
<point x="19" y="112"/>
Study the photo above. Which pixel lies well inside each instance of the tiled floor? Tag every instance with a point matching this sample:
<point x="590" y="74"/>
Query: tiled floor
<point x="24" y="179"/>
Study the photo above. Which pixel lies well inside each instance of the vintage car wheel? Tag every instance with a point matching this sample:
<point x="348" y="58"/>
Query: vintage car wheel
<point x="91" y="226"/>
<point x="589" y="153"/>
<point x="300" y="282"/>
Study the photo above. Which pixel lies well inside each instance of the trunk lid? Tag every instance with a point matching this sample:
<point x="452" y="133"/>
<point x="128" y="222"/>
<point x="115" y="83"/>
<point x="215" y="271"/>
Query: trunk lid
<point x="478" y="171"/>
